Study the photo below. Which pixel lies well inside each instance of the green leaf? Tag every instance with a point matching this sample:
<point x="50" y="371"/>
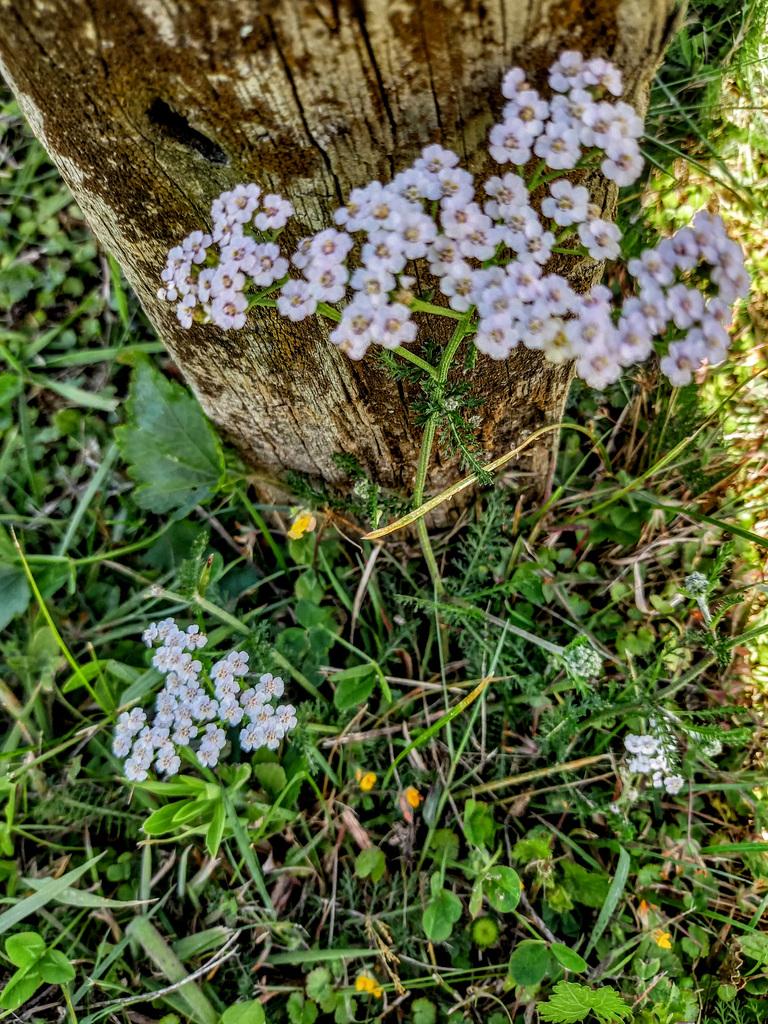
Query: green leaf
<point x="502" y="887"/>
<point x="10" y="386"/>
<point x="55" y="968"/>
<point x="371" y="862"/>
<point x="570" y="960"/>
<point x="571" y="1003"/>
<point x="615" y="893"/>
<point x="14" y="593"/>
<point x="586" y="887"/>
<point x="172" y="451"/>
<point x="529" y="961"/>
<point x="24" y="948"/>
<point x="272" y="778"/>
<point x="161" y="820"/>
<point x="244" y="1013"/>
<point x="45" y="894"/>
<point x="301" y="1011"/>
<point x="353" y="686"/>
<point x="19" y="989"/>
<point x="754" y="945"/>
<point x="80" y="898"/>
<point x="424" y="1011"/>
<point x="441" y="913"/>
<point x="526" y="580"/>
<point x="216" y="830"/>
<point x="479" y="823"/>
<point x="319" y="985"/>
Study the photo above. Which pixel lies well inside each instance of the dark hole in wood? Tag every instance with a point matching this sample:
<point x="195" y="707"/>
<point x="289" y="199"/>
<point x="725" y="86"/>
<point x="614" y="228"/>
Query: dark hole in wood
<point x="180" y="130"/>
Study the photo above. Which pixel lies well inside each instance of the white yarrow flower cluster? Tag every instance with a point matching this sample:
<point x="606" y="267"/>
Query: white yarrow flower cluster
<point x="488" y="254"/>
<point x="196" y="707"/>
<point x="655" y="754"/>
<point x="245" y="223"/>
<point x="668" y="300"/>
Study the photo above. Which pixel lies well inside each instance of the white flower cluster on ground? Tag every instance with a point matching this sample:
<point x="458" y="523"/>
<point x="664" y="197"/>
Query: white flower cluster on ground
<point x="656" y="755"/>
<point x="195" y="707"/>
<point x="489" y="254"/>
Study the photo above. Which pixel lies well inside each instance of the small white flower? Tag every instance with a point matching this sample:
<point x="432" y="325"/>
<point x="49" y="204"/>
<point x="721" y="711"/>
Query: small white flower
<point x="286" y="716"/>
<point x="252" y="737"/>
<point x="135" y="771"/>
<point x="238" y="661"/>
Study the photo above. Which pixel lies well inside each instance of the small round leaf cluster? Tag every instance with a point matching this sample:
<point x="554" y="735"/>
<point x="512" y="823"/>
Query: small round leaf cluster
<point x="655" y="754"/>
<point x="196" y="707"/>
<point x="489" y="253"/>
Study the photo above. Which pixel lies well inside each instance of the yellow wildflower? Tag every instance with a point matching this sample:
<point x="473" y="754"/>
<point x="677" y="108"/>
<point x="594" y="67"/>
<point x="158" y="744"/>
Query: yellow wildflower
<point x="412" y="796"/>
<point x="366" y="984"/>
<point x="662" y="939"/>
<point x="367" y="781"/>
<point x="304" y="522"/>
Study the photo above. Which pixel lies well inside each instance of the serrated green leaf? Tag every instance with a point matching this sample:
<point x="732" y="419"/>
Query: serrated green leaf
<point x="172" y="451"/>
<point x="571" y="1003"/>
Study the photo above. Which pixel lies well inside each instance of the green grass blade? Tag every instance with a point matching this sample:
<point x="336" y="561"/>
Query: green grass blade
<point x="50" y="890"/>
<point x="611" y="900"/>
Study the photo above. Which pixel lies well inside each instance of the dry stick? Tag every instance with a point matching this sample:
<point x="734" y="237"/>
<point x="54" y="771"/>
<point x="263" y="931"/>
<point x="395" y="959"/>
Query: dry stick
<point x="418" y="513"/>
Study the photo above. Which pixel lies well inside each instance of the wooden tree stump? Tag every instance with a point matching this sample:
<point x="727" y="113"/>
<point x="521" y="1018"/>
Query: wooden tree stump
<point x="150" y="108"/>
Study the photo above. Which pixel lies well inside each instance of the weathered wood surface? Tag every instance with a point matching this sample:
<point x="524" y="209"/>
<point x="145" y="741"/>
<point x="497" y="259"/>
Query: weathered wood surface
<point x="150" y="108"/>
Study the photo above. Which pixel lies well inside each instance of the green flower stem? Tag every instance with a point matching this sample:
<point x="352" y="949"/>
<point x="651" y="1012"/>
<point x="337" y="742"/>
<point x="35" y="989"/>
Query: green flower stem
<point x="329" y="311"/>
<point x="427" y="441"/>
<point x="537" y="178"/>
<point x="419" y="306"/>
<point x="417" y="361"/>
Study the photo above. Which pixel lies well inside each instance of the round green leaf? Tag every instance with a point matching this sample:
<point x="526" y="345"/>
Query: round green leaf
<point x="244" y="1013"/>
<point x="502" y="887"/>
<point x="442" y="911"/>
<point x="353" y="686"/>
<point x="55" y="968"/>
<point x="570" y="960"/>
<point x="424" y="1011"/>
<point x="24" y="948"/>
<point x="528" y="963"/>
<point x="370" y="862"/>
